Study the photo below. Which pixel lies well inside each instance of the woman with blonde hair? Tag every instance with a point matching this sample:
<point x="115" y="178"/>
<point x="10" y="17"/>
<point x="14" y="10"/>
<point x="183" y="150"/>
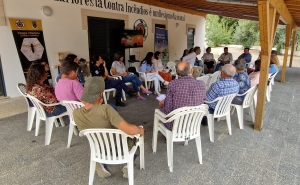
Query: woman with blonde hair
<point x="274" y="64"/>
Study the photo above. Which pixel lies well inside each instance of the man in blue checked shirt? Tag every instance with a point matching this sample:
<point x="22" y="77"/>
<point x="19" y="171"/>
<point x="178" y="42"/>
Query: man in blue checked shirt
<point x="246" y="55"/>
<point x="225" y="86"/>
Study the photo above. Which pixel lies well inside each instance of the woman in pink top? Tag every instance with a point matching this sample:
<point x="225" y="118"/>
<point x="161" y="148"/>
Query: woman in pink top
<point x="254" y="76"/>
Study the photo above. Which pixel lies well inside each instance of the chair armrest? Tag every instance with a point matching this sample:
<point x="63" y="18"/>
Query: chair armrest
<point x="113" y="78"/>
<point x="116" y="76"/>
<point x="160" y="115"/>
<point x="49" y="105"/>
<point x="212" y="101"/>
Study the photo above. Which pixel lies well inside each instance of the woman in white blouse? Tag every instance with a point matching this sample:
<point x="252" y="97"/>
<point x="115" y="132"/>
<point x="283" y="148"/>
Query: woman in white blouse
<point x="209" y="60"/>
<point x="160" y="68"/>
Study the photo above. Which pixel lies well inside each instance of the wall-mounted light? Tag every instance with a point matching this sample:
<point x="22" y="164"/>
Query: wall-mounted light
<point x="177" y="25"/>
<point x="47" y="10"/>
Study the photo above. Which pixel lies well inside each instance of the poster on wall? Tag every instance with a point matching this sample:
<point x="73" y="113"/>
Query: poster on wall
<point x="29" y="40"/>
<point x="161" y="43"/>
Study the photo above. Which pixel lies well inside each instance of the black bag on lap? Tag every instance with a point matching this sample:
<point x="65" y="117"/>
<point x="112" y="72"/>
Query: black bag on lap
<point x="133" y="70"/>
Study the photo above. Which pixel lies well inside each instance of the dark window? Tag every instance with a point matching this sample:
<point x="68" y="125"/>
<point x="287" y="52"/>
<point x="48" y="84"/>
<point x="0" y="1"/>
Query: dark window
<point x="160" y="26"/>
<point x="2" y="84"/>
<point x="190" y="38"/>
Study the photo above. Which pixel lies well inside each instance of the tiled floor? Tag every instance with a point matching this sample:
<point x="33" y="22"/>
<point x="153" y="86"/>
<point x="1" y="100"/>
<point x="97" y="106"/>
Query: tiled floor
<point x="271" y="156"/>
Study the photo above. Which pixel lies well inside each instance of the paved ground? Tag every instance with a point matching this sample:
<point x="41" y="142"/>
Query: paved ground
<point x="271" y="156"/>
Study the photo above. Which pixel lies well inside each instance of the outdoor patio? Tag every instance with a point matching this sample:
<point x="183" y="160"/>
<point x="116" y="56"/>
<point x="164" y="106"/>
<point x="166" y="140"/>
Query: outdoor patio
<point x="271" y="156"/>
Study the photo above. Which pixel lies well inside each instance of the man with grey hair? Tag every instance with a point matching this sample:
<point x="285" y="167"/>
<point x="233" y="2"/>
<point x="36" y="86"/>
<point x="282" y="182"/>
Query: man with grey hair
<point x="243" y="80"/>
<point x="225" y="86"/>
<point x="185" y="91"/>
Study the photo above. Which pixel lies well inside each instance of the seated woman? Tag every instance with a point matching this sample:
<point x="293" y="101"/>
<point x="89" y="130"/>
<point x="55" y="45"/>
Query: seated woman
<point x="99" y="69"/>
<point x="185" y="52"/>
<point x="118" y="68"/>
<point x="43" y="92"/>
<point x="274" y="64"/>
<point x="243" y="80"/>
<point x="160" y="68"/>
<point x="209" y="61"/>
<point x="43" y="62"/>
<point x="254" y="76"/>
<point x="148" y="68"/>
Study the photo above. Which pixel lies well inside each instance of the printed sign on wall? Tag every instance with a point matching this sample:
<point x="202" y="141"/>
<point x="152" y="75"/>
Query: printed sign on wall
<point x="161" y="43"/>
<point x="140" y="24"/>
<point x="29" y="39"/>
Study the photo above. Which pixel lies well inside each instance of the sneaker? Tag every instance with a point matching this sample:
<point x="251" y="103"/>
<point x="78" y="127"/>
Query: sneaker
<point x="125" y="171"/>
<point x="166" y="83"/>
<point x="102" y="170"/>
<point x="156" y="92"/>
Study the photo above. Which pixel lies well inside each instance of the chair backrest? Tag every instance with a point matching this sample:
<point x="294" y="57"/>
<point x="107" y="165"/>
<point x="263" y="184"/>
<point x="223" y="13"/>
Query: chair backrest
<point x="71" y="106"/>
<point x="272" y="78"/>
<point x="223" y="105"/>
<point x="22" y="89"/>
<point x="108" y="146"/>
<point x="39" y="108"/>
<point x="204" y="79"/>
<point x="172" y="66"/>
<point x="248" y="99"/>
<point x="187" y="121"/>
<point x="214" y="77"/>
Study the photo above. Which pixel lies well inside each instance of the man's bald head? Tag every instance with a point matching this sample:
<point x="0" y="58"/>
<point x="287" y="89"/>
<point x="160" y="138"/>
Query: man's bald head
<point x="183" y="68"/>
<point x="228" y="71"/>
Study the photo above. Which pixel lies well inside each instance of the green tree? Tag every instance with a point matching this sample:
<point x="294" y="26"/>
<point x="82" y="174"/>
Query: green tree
<point x="217" y="31"/>
<point x="246" y="33"/>
<point x="279" y="40"/>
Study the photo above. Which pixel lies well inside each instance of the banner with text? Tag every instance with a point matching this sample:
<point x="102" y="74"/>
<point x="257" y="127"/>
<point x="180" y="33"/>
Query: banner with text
<point x="29" y="39"/>
<point x="161" y="43"/>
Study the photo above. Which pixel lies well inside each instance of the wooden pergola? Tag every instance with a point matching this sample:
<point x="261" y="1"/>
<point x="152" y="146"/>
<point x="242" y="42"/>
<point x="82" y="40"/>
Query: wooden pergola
<point x="269" y="13"/>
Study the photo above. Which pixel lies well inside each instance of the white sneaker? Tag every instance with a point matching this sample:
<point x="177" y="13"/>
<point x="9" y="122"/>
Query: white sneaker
<point x="102" y="170"/>
<point x="125" y="171"/>
<point x="166" y="83"/>
<point x="157" y="93"/>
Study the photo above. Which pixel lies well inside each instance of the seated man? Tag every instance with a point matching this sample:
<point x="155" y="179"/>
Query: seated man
<point x="246" y="55"/>
<point x="225" y="86"/>
<point x="185" y="91"/>
<point x="96" y="115"/>
<point x="99" y="69"/>
<point x="68" y="87"/>
<point x="225" y="58"/>
<point x="243" y="80"/>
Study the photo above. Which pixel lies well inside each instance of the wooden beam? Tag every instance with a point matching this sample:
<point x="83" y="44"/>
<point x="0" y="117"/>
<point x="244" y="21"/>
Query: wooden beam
<point x="287" y="44"/>
<point x="264" y="26"/>
<point x="293" y="46"/>
<point x="282" y="9"/>
<point x="272" y="17"/>
<point x="170" y="7"/>
<point x="275" y="27"/>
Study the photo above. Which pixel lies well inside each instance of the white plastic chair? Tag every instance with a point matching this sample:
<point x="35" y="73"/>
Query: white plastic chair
<point x="41" y="115"/>
<point x="213" y="78"/>
<point x="120" y="77"/>
<point x="71" y="106"/>
<point x="109" y="146"/>
<point x="247" y="103"/>
<point x="172" y="67"/>
<point x="222" y="108"/>
<point x="204" y="79"/>
<point x="186" y="126"/>
<point x="31" y="110"/>
<point x="269" y="87"/>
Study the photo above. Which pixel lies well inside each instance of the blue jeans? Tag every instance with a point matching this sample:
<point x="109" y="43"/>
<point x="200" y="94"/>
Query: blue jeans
<point x="218" y="66"/>
<point x="136" y="83"/>
<point x="57" y="111"/>
<point x="198" y="63"/>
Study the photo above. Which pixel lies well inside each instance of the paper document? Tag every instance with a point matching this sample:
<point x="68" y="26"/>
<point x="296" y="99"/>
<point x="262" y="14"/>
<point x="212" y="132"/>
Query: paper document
<point x="161" y="97"/>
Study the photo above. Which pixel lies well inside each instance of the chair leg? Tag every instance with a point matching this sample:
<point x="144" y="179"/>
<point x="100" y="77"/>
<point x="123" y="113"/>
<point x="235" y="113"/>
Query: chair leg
<point x="104" y="98"/>
<point x="49" y="128"/>
<point x="142" y="153"/>
<point x="199" y="148"/>
<point x="37" y="125"/>
<point x="154" y="140"/>
<point x="31" y="114"/>
<point x="171" y="154"/>
<point x="252" y="112"/>
<point x="228" y="120"/>
<point x="268" y="93"/>
<point x="92" y="171"/>
<point x="124" y="95"/>
<point x="130" y="172"/>
<point x="240" y="114"/>
<point x="210" y="120"/>
<point x="56" y="123"/>
<point x="107" y="95"/>
<point x="71" y="130"/>
<point x="186" y="142"/>
<point x="62" y="123"/>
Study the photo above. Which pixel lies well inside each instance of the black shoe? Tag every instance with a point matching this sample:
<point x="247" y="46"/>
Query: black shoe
<point x="204" y="121"/>
<point x="119" y="103"/>
<point x="131" y="93"/>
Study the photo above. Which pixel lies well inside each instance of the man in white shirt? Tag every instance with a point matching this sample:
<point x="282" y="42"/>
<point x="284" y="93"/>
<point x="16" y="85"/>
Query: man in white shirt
<point x="191" y="58"/>
<point x="225" y="58"/>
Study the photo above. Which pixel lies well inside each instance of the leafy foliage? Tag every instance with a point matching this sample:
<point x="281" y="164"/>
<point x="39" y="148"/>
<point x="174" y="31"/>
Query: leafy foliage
<point x="246" y="33"/>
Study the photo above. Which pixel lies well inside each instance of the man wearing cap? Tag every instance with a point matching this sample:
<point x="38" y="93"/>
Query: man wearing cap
<point x="94" y="114"/>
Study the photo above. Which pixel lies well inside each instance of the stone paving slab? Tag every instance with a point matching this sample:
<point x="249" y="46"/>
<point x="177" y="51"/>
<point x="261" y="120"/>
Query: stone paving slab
<point x="271" y="156"/>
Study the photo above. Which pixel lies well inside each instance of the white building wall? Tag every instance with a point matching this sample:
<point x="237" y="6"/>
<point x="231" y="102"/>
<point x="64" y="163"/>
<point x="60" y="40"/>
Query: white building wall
<point x="63" y="32"/>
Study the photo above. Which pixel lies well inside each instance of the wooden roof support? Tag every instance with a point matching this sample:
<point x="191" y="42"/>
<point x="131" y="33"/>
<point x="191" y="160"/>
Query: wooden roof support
<point x="170" y="7"/>
<point x="275" y="26"/>
<point x="293" y="46"/>
<point x="267" y="16"/>
<point x="287" y="44"/>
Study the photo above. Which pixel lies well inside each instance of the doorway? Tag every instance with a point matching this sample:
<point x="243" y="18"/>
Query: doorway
<point x="105" y="38"/>
<point x="190" y="38"/>
<point x="2" y="84"/>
